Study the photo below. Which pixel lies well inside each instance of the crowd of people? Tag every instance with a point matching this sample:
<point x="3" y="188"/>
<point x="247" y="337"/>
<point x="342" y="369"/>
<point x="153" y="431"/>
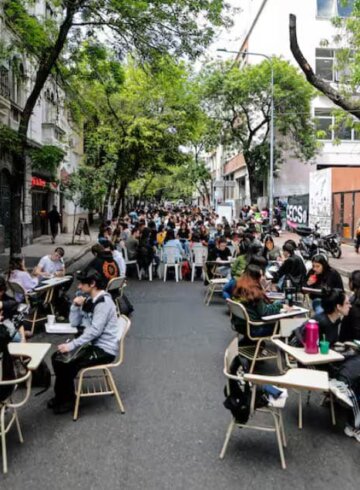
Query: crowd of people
<point x="233" y="250"/>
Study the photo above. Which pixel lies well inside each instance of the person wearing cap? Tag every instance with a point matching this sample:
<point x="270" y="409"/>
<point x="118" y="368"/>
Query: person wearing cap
<point x="104" y="263"/>
<point x="118" y="257"/>
<point x="98" y="344"/>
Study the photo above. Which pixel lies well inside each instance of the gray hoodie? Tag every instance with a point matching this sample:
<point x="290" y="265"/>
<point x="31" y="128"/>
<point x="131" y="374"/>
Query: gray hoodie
<point x="103" y="331"/>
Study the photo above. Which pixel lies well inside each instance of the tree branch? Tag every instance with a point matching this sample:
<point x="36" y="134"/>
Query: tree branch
<point x="353" y="107"/>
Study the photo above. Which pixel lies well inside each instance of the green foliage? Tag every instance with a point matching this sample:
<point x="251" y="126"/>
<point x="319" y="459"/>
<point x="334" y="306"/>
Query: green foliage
<point x="47" y="157"/>
<point x="240" y="99"/>
<point x="86" y="187"/>
<point x="9" y="139"/>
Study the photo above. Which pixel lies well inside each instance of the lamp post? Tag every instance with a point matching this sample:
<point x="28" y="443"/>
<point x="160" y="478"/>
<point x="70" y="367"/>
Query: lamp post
<point x="272" y="116"/>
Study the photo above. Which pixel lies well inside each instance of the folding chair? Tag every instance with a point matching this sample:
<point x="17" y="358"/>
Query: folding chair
<point x="103" y="383"/>
<point x="117" y="284"/>
<point x="34" y="308"/>
<point x="278" y="427"/>
<point x="215" y="285"/>
<point x="253" y="352"/>
<point x="8" y="412"/>
<point x="171" y="259"/>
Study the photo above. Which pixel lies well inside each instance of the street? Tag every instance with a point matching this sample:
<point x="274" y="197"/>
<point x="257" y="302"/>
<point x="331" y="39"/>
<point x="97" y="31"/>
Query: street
<point x="173" y="429"/>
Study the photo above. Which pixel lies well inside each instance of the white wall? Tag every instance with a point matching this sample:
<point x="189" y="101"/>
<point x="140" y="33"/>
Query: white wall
<point x="271" y="37"/>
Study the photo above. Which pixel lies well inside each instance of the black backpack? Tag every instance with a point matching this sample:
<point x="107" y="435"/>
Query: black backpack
<point x="238" y="393"/>
<point x="7" y="371"/>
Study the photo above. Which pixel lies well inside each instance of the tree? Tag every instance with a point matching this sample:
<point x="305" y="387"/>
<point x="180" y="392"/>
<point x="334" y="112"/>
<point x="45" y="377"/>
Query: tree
<point x="240" y="100"/>
<point x="152" y="28"/>
<point x="346" y="94"/>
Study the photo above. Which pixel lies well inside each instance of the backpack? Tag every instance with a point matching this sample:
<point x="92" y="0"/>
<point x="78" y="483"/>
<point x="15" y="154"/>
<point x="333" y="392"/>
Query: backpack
<point x="7" y="371"/>
<point x="186" y="270"/>
<point x="238" y="393"/>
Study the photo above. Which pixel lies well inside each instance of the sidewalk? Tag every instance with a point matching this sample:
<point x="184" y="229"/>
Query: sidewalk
<point x="348" y="262"/>
<point x="43" y="246"/>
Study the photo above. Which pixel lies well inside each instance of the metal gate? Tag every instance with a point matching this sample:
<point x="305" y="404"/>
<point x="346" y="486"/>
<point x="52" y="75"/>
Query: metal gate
<point x="5" y="196"/>
<point x="346" y="210"/>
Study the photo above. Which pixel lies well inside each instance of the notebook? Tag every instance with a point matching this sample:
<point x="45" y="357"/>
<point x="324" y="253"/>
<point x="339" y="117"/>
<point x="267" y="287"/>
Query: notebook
<point x="60" y="328"/>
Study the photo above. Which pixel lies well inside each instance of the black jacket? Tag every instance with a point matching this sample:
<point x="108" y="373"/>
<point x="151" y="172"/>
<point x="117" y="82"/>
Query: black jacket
<point x="350" y="325"/>
<point x="106" y="266"/>
<point x="293" y="268"/>
<point x="331" y="280"/>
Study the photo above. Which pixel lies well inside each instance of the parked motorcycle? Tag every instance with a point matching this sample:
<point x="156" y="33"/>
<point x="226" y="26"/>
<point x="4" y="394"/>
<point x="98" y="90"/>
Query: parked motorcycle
<point x="310" y="243"/>
<point x="332" y="244"/>
<point x="268" y="229"/>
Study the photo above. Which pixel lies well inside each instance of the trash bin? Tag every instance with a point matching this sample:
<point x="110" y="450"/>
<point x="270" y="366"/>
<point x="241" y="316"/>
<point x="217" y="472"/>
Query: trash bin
<point x="346" y="231"/>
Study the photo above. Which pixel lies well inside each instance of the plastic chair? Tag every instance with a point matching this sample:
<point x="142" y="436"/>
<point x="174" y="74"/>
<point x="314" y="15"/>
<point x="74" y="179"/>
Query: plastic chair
<point x="9" y="409"/>
<point x="198" y="256"/>
<point x="253" y="352"/>
<point x="278" y="427"/>
<point x="215" y="285"/>
<point x="130" y="262"/>
<point x="171" y="259"/>
<point x="34" y="309"/>
<point x="105" y="382"/>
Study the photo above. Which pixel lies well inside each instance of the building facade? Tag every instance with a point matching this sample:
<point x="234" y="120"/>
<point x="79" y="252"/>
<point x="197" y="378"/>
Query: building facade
<point x="267" y="32"/>
<point x="50" y="124"/>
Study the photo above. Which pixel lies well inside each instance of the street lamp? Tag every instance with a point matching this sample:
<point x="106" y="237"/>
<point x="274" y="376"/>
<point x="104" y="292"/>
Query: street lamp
<point x="272" y="115"/>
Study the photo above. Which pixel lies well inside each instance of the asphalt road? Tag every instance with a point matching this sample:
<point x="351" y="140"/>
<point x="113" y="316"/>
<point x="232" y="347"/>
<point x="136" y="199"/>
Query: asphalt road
<point x="173" y="429"/>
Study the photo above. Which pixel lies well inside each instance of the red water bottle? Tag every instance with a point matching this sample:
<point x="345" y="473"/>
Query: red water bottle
<point x="312" y="337"/>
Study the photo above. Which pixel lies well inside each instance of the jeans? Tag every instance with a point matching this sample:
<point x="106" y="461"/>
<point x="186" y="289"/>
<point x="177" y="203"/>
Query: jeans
<point x="66" y="372"/>
<point x="316" y="306"/>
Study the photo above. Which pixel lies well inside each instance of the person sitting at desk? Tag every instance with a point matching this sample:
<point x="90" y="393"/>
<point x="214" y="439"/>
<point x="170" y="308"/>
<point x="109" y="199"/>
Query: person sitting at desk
<point x="293" y="268"/>
<point x="51" y="265"/>
<point x="18" y="273"/>
<point x="320" y="276"/>
<point x="104" y="263"/>
<point x="350" y="326"/>
<point x="118" y="256"/>
<point x="271" y="252"/>
<point x="8" y="308"/>
<point x="99" y="342"/>
<point x="171" y="241"/>
<point x="250" y="293"/>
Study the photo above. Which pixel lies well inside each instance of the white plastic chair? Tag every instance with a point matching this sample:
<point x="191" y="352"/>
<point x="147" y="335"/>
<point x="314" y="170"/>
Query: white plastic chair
<point x="130" y="262"/>
<point x="198" y="256"/>
<point x="278" y="427"/>
<point x="171" y="259"/>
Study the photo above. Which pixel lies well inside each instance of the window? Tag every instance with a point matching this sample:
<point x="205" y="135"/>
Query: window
<point x="326" y="9"/>
<point x="325" y="122"/>
<point x="4" y="82"/>
<point x="325" y="66"/>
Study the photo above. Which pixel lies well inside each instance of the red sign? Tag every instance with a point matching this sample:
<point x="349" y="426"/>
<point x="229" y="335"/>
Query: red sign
<point x="38" y="182"/>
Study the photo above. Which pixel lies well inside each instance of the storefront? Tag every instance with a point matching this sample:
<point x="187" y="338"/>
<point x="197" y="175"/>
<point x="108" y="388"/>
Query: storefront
<point x="42" y="192"/>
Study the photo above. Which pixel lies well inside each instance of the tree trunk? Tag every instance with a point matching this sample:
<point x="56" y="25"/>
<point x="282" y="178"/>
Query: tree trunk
<point x="351" y="106"/>
<point x="106" y="201"/>
<point x="42" y="74"/>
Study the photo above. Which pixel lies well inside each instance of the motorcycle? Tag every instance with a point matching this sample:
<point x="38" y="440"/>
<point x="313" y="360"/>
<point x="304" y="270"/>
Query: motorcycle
<point x="268" y="229"/>
<point x="310" y="243"/>
<point x="332" y="244"/>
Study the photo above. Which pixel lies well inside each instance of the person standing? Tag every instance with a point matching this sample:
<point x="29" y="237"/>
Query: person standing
<point x="54" y="220"/>
<point x="357" y="236"/>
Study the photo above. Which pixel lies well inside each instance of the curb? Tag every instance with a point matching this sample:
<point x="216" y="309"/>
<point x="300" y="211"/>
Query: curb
<point x="78" y="256"/>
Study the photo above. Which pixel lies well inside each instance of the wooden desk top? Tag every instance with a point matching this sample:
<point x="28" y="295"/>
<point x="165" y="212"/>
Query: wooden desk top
<point x="35" y="350"/>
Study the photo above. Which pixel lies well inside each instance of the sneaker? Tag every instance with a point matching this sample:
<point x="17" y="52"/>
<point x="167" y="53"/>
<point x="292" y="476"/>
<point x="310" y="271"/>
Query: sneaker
<point x="341" y="391"/>
<point x="351" y="432"/>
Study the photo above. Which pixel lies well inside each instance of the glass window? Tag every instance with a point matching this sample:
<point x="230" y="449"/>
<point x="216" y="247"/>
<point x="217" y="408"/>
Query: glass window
<point x="344" y="7"/>
<point x="324" y="68"/>
<point x="343" y="132"/>
<point x="323" y="124"/>
<point x="325" y="8"/>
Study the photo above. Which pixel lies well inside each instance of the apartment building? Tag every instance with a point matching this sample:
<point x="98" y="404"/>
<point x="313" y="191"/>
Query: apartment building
<point x="267" y="32"/>
<point x="50" y="124"/>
